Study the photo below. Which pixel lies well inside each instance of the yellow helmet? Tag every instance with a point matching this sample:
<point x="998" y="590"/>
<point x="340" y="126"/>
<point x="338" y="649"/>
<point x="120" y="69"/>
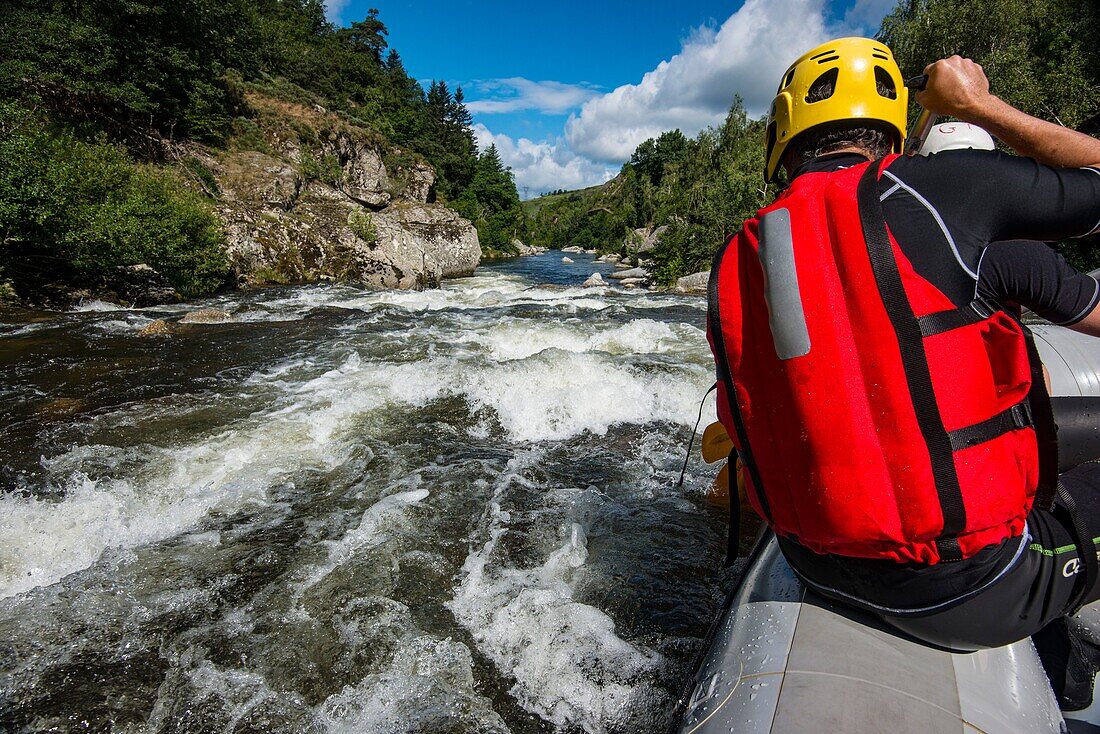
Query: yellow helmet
<point x="854" y="68"/>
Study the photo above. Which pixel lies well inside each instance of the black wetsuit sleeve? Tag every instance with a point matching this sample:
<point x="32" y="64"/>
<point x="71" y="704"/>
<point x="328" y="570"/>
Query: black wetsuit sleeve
<point x="1031" y="274"/>
<point x="986" y="196"/>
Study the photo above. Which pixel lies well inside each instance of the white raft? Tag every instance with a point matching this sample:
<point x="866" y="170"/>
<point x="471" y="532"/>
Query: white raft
<point x="782" y="660"/>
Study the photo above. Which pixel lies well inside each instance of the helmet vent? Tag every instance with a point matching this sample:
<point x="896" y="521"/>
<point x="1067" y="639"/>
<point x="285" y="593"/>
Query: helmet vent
<point x="823" y="87"/>
<point x="884" y="83"/>
<point x="787" y="81"/>
<point x="823" y="53"/>
<point x="827" y="59"/>
<point x="880" y="55"/>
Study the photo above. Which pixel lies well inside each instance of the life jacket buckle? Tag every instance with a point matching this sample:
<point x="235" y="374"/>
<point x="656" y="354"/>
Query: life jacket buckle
<point x="1021" y="415"/>
<point x="984" y="307"/>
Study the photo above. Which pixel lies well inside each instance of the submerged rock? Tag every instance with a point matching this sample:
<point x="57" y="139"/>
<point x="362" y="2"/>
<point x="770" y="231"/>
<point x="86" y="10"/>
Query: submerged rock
<point x="155" y="328"/>
<point x="206" y="316"/>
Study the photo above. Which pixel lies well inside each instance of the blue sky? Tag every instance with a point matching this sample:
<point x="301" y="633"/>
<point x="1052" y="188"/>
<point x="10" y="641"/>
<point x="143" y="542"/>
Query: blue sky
<point x="566" y="90"/>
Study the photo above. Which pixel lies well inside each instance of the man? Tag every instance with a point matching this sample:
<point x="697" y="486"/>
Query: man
<point x="886" y="403"/>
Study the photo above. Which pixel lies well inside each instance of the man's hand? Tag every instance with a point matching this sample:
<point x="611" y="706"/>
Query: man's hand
<point x="957" y="87"/>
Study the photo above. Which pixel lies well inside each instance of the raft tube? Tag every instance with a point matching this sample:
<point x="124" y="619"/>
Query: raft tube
<point x="782" y="660"/>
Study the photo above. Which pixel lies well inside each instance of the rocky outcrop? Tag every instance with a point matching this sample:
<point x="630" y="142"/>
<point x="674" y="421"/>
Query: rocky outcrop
<point x="643" y="241"/>
<point x="363" y="224"/>
<point x="694" y="283"/>
<point x="523" y="249"/>
<point x="365" y="178"/>
<point x="651" y="240"/>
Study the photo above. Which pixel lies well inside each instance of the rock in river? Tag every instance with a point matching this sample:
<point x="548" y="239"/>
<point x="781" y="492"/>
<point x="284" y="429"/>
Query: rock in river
<point x="207" y="316"/>
<point x="631" y="273"/>
<point x="594" y="281"/>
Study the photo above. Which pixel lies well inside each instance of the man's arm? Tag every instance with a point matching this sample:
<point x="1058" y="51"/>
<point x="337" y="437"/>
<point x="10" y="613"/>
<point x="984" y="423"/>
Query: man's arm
<point x="959" y="87"/>
<point x="1090" y="324"/>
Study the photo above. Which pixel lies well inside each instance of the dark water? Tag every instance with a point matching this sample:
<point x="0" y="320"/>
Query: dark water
<point x="354" y="511"/>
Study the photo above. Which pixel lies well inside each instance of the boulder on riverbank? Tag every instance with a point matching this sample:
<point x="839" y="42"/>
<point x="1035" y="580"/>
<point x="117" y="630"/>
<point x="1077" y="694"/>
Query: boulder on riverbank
<point x="631" y="273"/>
<point x="523" y="249"/>
<point x="694" y="283"/>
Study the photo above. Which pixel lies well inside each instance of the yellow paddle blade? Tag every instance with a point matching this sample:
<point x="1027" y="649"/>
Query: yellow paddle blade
<point x="716" y="443"/>
<point x="719" y="493"/>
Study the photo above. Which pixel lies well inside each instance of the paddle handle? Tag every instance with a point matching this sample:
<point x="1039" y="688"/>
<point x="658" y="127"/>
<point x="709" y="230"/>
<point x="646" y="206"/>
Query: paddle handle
<point x="925" y="120"/>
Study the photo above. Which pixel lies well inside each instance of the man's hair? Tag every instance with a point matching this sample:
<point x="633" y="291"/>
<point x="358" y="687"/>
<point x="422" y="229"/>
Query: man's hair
<point x="877" y="139"/>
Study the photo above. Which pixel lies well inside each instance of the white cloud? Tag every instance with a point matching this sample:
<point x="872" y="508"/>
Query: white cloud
<point x="543" y="166"/>
<point x="516" y="93"/>
<point x="746" y="55"/>
<point x="333" y="8"/>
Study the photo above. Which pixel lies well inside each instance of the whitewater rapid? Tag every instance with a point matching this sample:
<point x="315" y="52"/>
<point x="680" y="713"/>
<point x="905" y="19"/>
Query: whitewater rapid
<point x="442" y="511"/>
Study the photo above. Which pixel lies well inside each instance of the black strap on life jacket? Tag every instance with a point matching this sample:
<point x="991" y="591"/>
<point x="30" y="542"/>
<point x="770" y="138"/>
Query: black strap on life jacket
<point x="914" y="362"/>
<point x="977" y="310"/>
<point x="1016" y="417"/>
<point x="1046" y="430"/>
<point x="744" y="451"/>
<point x="1034" y="411"/>
<point x="691" y="441"/>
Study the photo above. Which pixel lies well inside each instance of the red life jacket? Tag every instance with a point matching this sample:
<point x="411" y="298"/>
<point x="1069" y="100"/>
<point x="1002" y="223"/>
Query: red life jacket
<point x="875" y="418"/>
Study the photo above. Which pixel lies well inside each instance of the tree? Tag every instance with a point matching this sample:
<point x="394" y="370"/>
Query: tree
<point x="366" y="36"/>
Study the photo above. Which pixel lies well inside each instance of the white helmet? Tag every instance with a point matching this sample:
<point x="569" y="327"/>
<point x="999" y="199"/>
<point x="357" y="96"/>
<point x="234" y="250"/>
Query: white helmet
<point x="956" y="136"/>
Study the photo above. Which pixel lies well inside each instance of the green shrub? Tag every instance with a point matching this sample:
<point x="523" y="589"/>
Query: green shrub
<point x="205" y="177"/>
<point x="247" y="135"/>
<point x="327" y="169"/>
<point x="71" y="212"/>
<point x="362" y="224"/>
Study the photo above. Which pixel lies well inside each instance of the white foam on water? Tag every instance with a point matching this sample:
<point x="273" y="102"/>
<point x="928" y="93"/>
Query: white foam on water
<point x="377" y="521"/>
<point x="569" y="665"/>
<point x="554" y="394"/>
<point x="42" y="541"/>
<point x="523" y="338"/>
<point x="95" y="305"/>
<point x="429" y="681"/>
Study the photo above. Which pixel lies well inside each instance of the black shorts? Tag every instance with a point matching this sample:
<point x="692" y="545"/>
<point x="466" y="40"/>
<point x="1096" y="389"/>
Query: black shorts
<point x="1016" y="589"/>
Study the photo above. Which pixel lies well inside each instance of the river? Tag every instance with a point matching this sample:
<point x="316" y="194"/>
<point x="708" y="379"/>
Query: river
<point x="444" y="511"/>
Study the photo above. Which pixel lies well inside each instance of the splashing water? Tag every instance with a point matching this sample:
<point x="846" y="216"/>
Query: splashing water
<point x="354" y="511"/>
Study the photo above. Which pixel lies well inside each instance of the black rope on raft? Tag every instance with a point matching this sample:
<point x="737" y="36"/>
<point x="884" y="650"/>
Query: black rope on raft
<point x="691" y="441"/>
